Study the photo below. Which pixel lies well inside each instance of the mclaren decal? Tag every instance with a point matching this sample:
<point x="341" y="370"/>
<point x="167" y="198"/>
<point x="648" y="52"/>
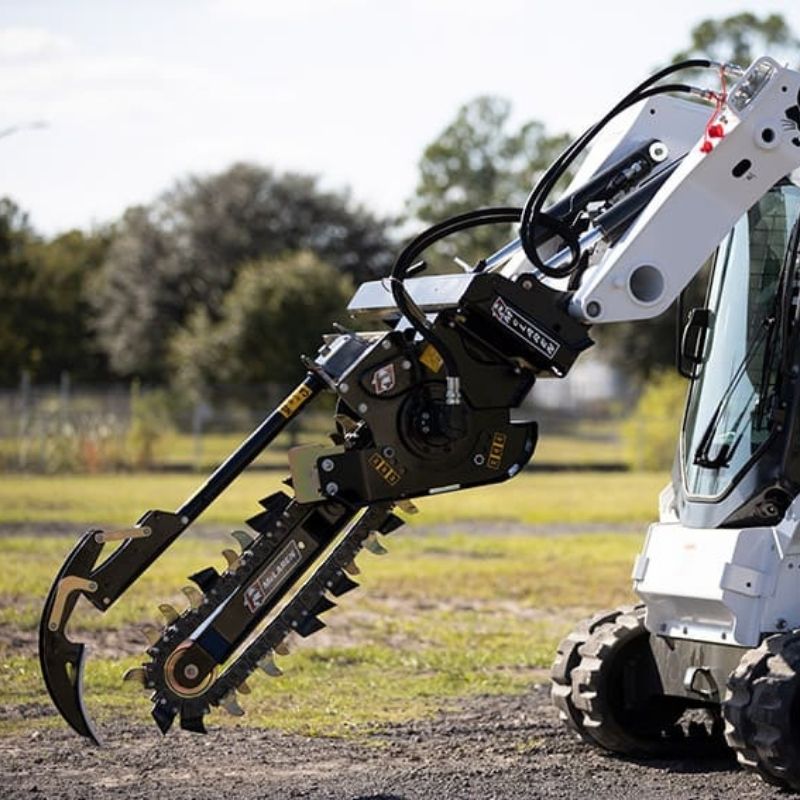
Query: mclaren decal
<point x="262" y="588"/>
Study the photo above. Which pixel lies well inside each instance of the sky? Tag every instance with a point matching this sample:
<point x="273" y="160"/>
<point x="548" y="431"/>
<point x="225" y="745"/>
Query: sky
<point x="135" y="95"/>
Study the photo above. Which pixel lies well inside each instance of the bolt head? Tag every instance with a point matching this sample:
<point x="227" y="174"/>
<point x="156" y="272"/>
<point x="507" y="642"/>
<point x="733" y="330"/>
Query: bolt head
<point x="593" y="309"/>
<point x="344" y="388"/>
<point x="331" y="488"/>
<point x="386" y="344"/>
<point x="362" y="408"/>
<point x="327" y="465"/>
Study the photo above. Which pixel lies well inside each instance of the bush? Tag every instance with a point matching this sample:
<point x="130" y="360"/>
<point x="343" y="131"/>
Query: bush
<point x="150" y="421"/>
<point x="651" y="433"/>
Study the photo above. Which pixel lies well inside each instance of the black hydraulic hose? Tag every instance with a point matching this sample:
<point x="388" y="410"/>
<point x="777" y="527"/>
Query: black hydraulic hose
<point x="407" y="258"/>
<point x="532" y="212"/>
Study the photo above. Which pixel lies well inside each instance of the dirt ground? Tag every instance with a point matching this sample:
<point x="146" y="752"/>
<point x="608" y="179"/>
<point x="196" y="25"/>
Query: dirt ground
<point x="486" y="748"/>
<point x="489" y="747"/>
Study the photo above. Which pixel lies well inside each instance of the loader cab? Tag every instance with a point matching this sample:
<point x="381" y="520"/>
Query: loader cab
<point x="727" y="454"/>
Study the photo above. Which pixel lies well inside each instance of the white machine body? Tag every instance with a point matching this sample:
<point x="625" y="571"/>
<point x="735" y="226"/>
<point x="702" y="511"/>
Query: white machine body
<point x="720" y="585"/>
<point x="726" y="586"/>
<point x="643" y="273"/>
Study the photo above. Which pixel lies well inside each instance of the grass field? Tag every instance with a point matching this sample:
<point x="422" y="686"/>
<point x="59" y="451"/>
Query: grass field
<point x="589" y="444"/>
<point x="541" y="498"/>
<point x="448" y="613"/>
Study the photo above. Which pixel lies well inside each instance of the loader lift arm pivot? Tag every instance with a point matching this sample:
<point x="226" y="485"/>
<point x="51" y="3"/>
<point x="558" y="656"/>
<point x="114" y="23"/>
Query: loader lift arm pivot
<point x="436" y="402"/>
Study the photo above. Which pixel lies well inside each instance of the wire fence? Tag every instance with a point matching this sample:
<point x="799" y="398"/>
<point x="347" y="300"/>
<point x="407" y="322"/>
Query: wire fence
<point x="67" y="428"/>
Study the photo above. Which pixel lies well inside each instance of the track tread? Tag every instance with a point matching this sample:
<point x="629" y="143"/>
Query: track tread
<point x="658" y="733"/>
<point x="737" y="707"/>
<point x="567" y="658"/>
<point x="772" y="730"/>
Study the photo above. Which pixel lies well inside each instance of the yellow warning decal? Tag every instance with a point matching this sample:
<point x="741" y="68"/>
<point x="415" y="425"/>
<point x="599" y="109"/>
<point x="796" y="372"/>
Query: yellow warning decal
<point x="431" y="359"/>
<point x="496" y="450"/>
<point x="290" y="405"/>
<point x="384" y="469"/>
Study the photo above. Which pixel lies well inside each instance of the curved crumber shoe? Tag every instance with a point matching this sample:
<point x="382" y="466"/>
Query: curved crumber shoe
<point x="61" y="659"/>
<point x="138" y="547"/>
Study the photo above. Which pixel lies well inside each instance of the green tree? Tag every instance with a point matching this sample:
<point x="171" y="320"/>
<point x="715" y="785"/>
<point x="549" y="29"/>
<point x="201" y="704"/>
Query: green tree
<point x="276" y="310"/>
<point x="651" y="432"/>
<point x="480" y="159"/>
<point x="17" y="296"/>
<point x="183" y="253"/>
<point x="740" y="38"/>
<point x="66" y="268"/>
<point x="45" y="327"/>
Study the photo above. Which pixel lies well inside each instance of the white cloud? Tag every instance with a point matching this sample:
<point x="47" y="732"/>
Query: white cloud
<point x="32" y="44"/>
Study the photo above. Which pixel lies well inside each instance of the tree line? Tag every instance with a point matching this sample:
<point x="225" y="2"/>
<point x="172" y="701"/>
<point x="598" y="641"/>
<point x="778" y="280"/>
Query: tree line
<point x="229" y="277"/>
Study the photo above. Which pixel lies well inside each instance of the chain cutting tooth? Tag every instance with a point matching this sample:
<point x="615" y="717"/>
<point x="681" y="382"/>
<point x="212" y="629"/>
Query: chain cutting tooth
<point x="193" y="595"/>
<point x="309" y="625"/>
<point x="277" y="501"/>
<point x="136" y="675"/>
<point x="205" y="579"/>
<point x="244" y="538"/>
<point x="407" y="506"/>
<point x="244" y="688"/>
<point x="340" y="584"/>
<point x="169" y="612"/>
<point x="391" y="524"/>
<point x="231" y="705"/>
<point x="372" y="544"/>
<point x="322" y="605"/>
<point x="269" y="666"/>
<point x="232" y="558"/>
<point x="193" y="724"/>
<point x="151" y="633"/>
<point x="284" y="648"/>
<point x="352" y="568"/>
<point x="164" y="717"/>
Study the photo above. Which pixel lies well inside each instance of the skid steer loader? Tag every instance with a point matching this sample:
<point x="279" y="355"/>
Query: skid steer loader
<point x="436" y="399"/>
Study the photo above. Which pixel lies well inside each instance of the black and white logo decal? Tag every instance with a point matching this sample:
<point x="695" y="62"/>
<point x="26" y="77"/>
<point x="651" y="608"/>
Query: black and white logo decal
<point x="383" y="379"/>
<point x="261" y="589"/>
<point x="528" y="331"/>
